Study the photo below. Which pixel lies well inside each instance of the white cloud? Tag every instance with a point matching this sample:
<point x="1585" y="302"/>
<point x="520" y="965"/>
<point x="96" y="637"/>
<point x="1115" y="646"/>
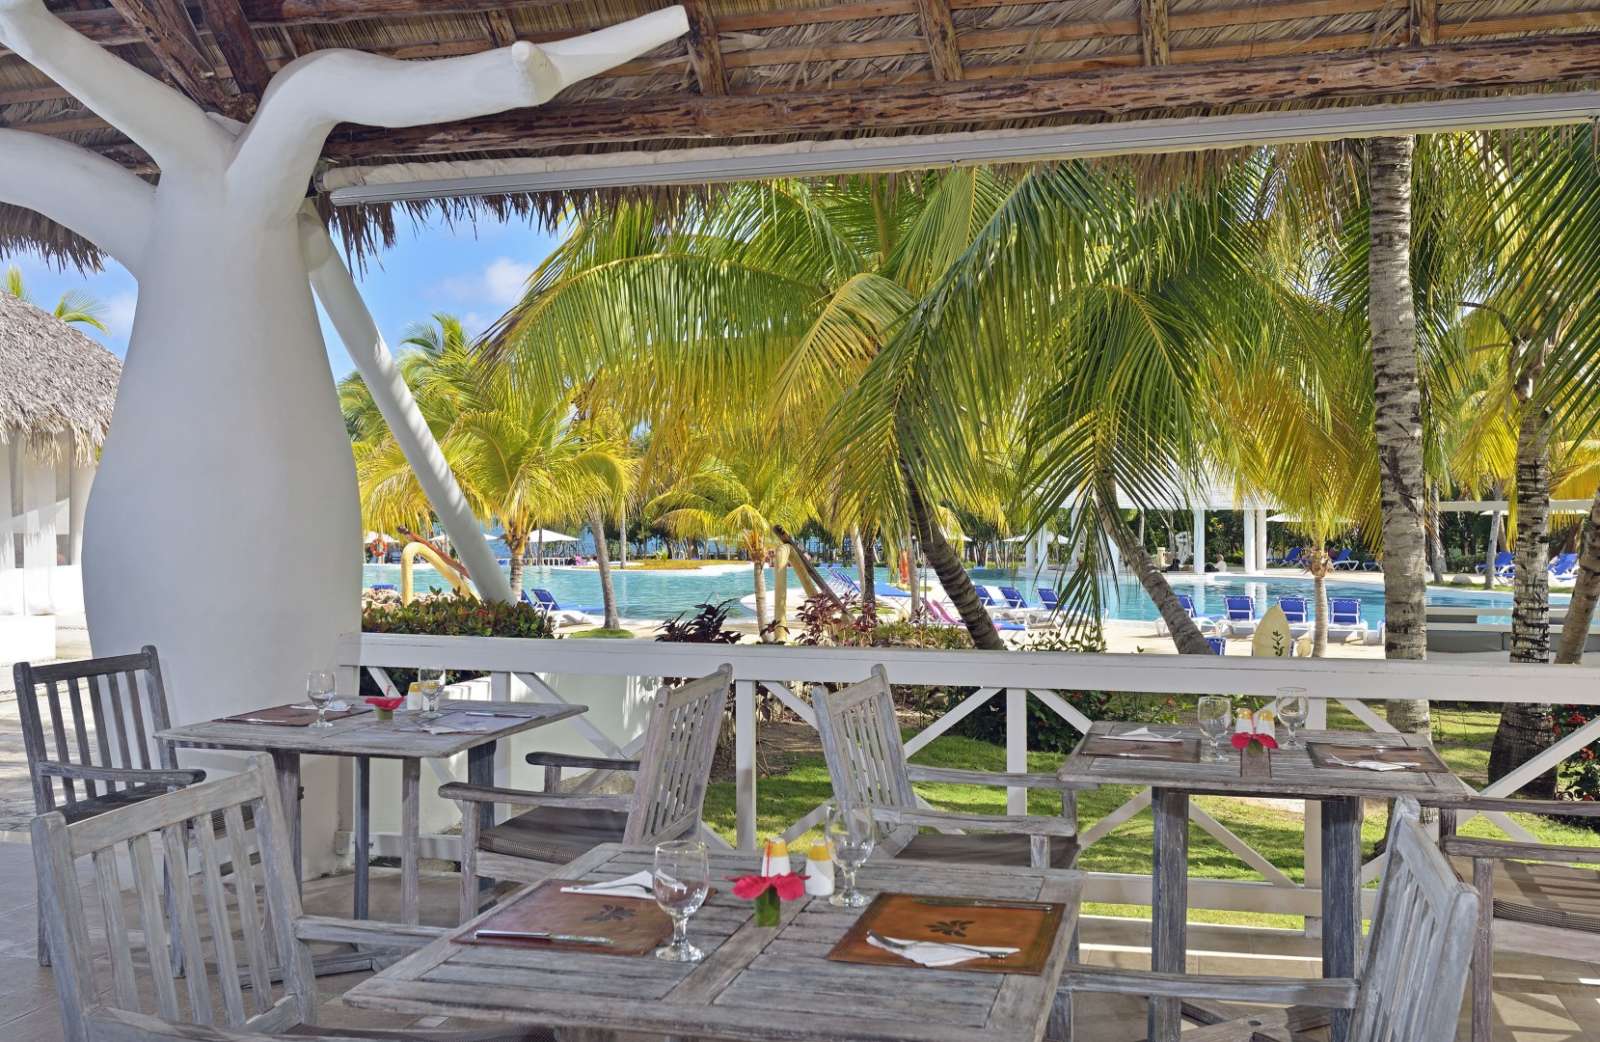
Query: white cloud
<point x="498" y="285"/>
<point x="118" y="315"/>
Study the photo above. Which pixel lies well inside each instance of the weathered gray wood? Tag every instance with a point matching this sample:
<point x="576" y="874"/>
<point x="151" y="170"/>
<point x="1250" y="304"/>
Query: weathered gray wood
<point x="410" y="831"/>
<point x="1462" y="846"/>
<point x="1169" y="887"/>
<point x="1341" y="890"/>
<point x="66" y="922"/>
<point x="250" y="927"/>
<point x="580" y="763"/>
<point x="362" y="855"/>
<point x="1483" y="953"/>
<point x="674" y="767"/>
<point x="753" y="978"/>
<point x="867" y="765"/>
<point x="379" y="935"/>
<point x="174" y="842"/>
<point x="110" y="886"/>
<point x="147" y="882"/>
<point x="1289" y="991"/>
<point x="227" y="962"/>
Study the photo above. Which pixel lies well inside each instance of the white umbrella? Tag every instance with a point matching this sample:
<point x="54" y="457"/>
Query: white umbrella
<point x="544" y="535"/>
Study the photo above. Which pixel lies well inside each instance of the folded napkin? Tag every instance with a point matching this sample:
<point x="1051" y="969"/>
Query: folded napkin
<point x="338" y="705"/>
<point x="640" y="884"/>
<point x="1142" y="734"/>
<point x="934" y="954"/>
<point x="1370" y="765"/>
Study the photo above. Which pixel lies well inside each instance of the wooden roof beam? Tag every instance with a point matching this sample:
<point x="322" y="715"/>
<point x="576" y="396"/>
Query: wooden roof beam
<point x="705" y="49"/>
<point x="1153" y="31"/>
<point x="165" y="27"/>
<point x="939" y="30"/>
<point x="1424" y="22"/>
<point x="231" y="31"/>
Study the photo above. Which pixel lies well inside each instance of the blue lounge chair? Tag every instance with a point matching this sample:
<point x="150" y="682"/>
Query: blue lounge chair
<point x="546" y="600"/>
<point x="1290" y="559"/>
<point x="1504" y="563"/>
<point x="1015" y="596"/>
<point x="1344" y="560"/>
<point x="1047" y="597"/>
<point x="1564" y="568"/>
<point x="948" y="617"/>
<point x="1344" y="618"/>
<point x="1297" y="611"/>
<point x="1218" y="645"/>
<point x="1241" y="615"/>
<point x="383" y="586"/>
<point x="1205" y="622"/>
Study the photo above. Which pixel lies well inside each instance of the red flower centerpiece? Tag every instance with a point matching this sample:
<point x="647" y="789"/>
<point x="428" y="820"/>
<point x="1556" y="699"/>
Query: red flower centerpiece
<point x="1261" y="738"/>
<point x="1254" y="739"/>
<point x="772" y="886"/>
<point x="384" y="705"/>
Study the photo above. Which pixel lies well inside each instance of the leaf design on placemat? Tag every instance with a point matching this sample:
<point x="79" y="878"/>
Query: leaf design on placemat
<point x="610" y="914"/>
<point x="951" y="927"/>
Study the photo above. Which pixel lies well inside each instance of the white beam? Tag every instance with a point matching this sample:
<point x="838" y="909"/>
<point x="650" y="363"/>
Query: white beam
<point x="1199" y="563"/>
<point x="402" y="181"/>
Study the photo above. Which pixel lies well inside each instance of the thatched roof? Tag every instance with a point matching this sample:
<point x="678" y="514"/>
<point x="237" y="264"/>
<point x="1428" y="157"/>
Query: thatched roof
<point x="53" y="381"/>
<point x="785" y="70"/>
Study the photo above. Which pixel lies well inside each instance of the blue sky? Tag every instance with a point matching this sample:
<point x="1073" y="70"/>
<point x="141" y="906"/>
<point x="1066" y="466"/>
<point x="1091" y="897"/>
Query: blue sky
<point x="474" y="271"/>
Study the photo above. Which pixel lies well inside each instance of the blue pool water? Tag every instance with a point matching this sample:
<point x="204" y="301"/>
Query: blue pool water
<point x="649" y="595"/>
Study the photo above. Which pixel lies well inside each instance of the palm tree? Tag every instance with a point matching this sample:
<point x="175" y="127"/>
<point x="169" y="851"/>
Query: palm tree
<point x="74" y="308"/>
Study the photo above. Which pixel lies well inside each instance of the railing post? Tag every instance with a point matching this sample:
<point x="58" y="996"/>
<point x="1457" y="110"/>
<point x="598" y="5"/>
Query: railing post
<point x="744" y="762"/>
<point x="1016" y="747"/>
<point x="1316" y="720"/>
<point x="500" y="691"/>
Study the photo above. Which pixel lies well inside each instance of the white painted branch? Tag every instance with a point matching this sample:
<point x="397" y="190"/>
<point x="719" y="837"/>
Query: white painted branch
<point x="174" y="130"/>
<point x="311" y="95"/>
<point x="342" y="300"/>
<point x="80" y="189"/>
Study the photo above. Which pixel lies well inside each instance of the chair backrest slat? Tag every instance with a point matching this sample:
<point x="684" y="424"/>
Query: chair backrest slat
<point x="204" y="831"/>
<point x="1421" y="943"/>
<point x="108" y="881"/>
<point x="81" y="732"/>
<point x="141" y="741"/>
<point x="147" y="881"/>
<point x="861" y="742"/>
<point x="675" y="760"/>
<point x="175" y="848"/>
<point x="59" y="729"/>
<point x="250" y="926"/>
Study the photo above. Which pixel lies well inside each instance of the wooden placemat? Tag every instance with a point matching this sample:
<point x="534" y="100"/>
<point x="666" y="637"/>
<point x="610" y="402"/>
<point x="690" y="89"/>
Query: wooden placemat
<point x="293" y="715"/>
<point x="633" y="926"/>
<point x="1186" y="750"/>
<point x="1025" y="925"/>
<point x="1423" y="759"/>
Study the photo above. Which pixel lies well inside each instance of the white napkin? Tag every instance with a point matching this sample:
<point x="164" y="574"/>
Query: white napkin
<point x="934" y="954"/>
<point x="1370" y="765"/>
<point x="640" y="884"/>
<point x="1142" y="734"/>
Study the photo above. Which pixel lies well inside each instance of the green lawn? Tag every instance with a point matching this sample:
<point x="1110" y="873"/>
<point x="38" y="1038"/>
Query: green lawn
<point x="1462" y="738"/>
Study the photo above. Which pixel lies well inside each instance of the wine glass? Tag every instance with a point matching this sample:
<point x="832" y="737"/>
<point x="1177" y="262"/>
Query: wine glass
<point x="1215" y="716"/>
<point x="680" y="880"/>
<point x="851" y="834"/>
<point x="430" y="682"/>
<point x="1293" y="708"/>
<point x="319" y="689"/>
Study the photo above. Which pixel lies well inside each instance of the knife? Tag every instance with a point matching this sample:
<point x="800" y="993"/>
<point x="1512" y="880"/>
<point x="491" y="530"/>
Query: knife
<point x="539" y="935"/>
<point x="962" y="902"/>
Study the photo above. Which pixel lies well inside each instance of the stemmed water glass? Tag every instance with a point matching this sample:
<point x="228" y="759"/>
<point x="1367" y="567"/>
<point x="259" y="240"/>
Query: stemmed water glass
<point x="680" y="879"/>
<point x="1215" y="716"/>
<point x="319" y="689"/>
<point x="851" y="834"/>
<point x="430" y="682"/>
<point x="1293" y="708"/>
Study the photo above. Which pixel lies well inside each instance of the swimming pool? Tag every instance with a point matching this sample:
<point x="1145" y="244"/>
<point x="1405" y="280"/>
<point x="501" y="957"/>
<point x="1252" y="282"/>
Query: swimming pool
<point x="651" y="595"/>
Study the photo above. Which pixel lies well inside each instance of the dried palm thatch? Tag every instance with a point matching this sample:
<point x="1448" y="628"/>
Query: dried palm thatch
<point x="54" y="382"/>
<point x="753" y="65"/>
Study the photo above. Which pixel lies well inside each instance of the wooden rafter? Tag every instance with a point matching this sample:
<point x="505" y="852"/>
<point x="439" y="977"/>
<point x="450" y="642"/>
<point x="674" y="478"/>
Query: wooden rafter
<point x="164" y="27"/>
<point x="705" y="49"/>
<point x="231" y="30"/>
<point x="1424" y="22"/>
<point x="1153" y="31"/>
<point x="939" y="30"/>
<point x="1120" y="91"/>
<point x="501" y="31"/>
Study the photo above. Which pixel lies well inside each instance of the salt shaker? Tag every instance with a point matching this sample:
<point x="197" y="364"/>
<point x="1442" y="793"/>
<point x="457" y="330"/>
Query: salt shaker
<point x="819" y="870"/>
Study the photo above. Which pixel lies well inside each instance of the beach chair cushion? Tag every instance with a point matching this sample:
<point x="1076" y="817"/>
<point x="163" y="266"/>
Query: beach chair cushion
<point x="1345" y="611"/>
<point x="979" y="848"/>
<point x="554" y="834"/>
<point x="1562" y="896"/>
<point x="1240" y="608"/>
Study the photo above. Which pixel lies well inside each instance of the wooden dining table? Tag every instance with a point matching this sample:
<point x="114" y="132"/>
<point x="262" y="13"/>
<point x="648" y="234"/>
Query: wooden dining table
<point x="1175" y="772"/>
<point x="762" y="984"/>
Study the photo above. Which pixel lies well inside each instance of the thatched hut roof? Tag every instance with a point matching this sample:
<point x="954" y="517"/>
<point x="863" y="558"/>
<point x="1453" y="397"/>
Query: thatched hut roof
<point x="772" y="71"/>
<point x="53" y="381"/>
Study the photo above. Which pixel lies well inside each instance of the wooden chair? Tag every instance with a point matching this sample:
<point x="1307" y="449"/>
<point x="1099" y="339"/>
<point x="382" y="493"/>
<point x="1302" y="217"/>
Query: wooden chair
<point x="97" y="744"/>
<point x="673" y="768"/>
<point x="1412" y="976"/>
<point x="232" y="947"/>
<point x="867" y="764"/>
<point x="1543" y="901"/>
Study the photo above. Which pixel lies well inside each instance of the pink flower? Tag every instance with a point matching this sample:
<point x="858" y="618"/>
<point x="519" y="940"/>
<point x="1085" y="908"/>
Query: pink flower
<point x="790" y="887"/>
<point x="1244" y="738"/>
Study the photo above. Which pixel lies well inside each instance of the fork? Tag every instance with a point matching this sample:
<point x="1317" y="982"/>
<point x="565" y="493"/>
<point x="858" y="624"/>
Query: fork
<point x="904" y="946"/>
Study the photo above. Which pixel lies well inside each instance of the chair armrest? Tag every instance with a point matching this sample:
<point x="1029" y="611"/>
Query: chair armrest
<point x="1329" y="993"/>
<point x="1031" y="825"/>
<point x="1486" y="804"/>
<point x="130" y="775"/>
<point x="961" y="776"/>
<point x="594" y="763"/>
<point x="521" y="798"/>
<point x="1500" y="849"/>
<point x="125" y="1026"/>
<point x="365" y="931"/>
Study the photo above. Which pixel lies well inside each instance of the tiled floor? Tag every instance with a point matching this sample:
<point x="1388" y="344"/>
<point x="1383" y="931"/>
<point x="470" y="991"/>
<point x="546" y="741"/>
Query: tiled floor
<point x="1538" y="999"/>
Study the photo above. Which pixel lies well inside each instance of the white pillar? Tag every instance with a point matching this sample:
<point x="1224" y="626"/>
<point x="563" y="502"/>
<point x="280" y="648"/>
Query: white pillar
<point x="10" y="580"/>
<point x="38" y="532"/>
<point x="1030" y="557"/>
<point x="1199" y="563"/>
<point x="78" y="501"/>
<point x="1261" y="539"/>
<point x="1251" y="564"/>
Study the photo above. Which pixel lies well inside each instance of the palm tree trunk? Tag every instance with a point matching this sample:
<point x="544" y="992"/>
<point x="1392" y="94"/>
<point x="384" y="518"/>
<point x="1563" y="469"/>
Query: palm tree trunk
<point x="1585" y="589"/>
<point x="1319" y="587"/>
<point x="869" y="588"/>
<point x="947" y="566"/>
<point x="759" y="565"/>
<point x="1398" y="412"/>
<point x="780" y="593"/>
<point x="1186" y="636"/>
<point x="516" y="546"/>
<point x="916" y="577"/>
<point x="1436" y="559"/>
<point x="602" y="560"/>
<point x="1494" y="545"/>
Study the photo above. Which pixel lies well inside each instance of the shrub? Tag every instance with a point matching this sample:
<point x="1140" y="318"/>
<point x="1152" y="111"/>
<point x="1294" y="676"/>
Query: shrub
<point x="706" y="626"/>
<point x="449" y="615"/>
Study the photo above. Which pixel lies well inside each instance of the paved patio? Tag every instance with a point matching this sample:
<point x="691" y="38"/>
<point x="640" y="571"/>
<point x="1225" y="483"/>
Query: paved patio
<point x="1538" y="999"/>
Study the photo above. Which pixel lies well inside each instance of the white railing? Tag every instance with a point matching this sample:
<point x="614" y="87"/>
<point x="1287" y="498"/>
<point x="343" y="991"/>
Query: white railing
<point x="1017" y="677"/>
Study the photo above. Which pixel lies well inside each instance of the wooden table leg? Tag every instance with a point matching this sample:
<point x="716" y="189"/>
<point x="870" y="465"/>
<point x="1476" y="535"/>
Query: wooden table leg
<point x="1170" y="905"/>
<point x="287" y="767"/>
<point x="1341" y="895"/>
<point x="410" y="831"/>
<point x="363" y="840"/>
<point x="480" y="771"/>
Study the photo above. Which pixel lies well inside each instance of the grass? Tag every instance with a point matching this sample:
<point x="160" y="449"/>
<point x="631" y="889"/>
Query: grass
<point x="1461" y="737"/>
<point x="658" y="564"/>
<point x="601" y="632"/>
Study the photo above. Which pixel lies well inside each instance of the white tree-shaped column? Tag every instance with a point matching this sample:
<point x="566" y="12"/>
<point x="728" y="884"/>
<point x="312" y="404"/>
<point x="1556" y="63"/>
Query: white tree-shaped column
<point x="224" y="525"/>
